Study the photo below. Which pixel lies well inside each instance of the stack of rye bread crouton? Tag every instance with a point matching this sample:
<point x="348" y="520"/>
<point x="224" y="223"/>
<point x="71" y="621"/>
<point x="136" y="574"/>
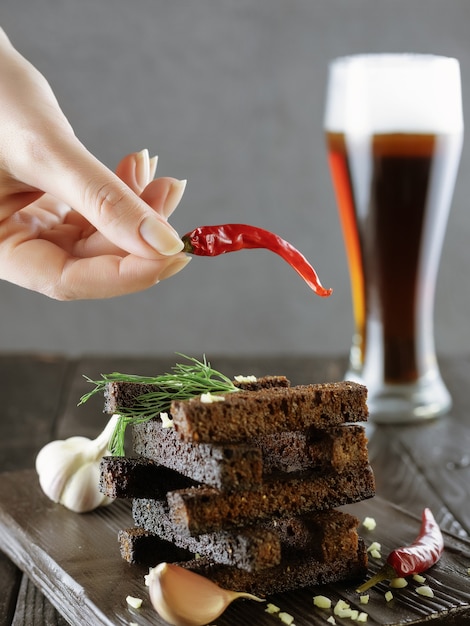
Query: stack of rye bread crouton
<point x="243" y="488"/>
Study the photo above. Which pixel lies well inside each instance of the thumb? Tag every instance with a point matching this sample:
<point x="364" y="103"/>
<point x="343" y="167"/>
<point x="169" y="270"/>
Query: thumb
<point x="72" y="174"/>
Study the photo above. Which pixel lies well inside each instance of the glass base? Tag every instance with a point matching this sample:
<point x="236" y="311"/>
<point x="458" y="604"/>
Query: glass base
<point x="428" y="398"/>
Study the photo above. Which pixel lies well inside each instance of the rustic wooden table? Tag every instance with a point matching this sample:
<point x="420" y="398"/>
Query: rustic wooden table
<point x="415" y="466"/>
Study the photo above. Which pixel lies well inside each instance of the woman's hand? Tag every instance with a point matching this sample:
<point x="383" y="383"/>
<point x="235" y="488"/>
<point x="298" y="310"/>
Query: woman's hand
<point x="69" y="227"/>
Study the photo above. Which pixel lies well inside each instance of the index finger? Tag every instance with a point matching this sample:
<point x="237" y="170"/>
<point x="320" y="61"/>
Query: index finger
<point x="75" y="176"/>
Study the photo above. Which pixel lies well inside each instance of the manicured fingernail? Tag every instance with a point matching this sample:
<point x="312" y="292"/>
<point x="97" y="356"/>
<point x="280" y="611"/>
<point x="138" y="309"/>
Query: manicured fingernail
<point x="161" y="237"/>
<point x="142" y="168"/>
<point x="174" y="196"/>
<point x="174" y="267"/>
<point x="153" y="167"/>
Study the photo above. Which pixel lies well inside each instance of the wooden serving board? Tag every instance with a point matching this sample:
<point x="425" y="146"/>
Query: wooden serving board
<point x="75" y="561"/>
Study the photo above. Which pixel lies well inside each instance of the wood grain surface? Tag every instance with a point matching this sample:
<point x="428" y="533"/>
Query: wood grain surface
<point x="415" y="466"/>
<point x="75" y="561"/>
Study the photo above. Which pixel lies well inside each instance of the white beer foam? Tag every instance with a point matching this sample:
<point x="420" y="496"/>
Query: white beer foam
<point x="386" y="93"/>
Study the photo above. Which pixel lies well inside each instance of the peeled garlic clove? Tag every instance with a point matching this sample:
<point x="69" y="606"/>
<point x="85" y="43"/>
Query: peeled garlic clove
<point x="184" y="598"/>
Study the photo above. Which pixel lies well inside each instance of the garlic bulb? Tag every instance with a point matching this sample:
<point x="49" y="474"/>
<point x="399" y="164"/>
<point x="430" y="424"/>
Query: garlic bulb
<point x="184" y="598"/>
<point x="69" y="470"/>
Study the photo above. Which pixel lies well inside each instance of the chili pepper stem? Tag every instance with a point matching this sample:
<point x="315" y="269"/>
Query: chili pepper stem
<point x="385" y="573"/>
<point x="188" y="246"/>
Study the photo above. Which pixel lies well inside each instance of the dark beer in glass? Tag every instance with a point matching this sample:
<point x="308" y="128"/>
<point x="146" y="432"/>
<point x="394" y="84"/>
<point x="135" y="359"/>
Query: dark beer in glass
<point x="394" y="134"/>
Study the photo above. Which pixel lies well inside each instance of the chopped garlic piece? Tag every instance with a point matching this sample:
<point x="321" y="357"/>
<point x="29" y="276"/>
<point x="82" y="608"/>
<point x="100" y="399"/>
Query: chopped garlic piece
<point x="375" y="554"/>
<point x="389" y="596"/>
<point x="245" y="379"/>
<point x="322" y="602"/>
<point x="375" y="545"/>
<point x="468" y="571"/>
<point x="331" y="620"/>
<point x="340" y="608"/>
<point x="147" y="577"/>
<point x="167" y="422"/>
<point x="286" y="618"/>
<point x="398" y="583"/>
<point x="362" y="617"/>
<point x="272" y="608"/>
<point x="369" y="523"/>
<point x="425" y="590"/>
<point x="209" y="398"/>
<point x="418" y="578"/>
<point x="135" y="603"/>
<point x="364" y="599"/>
<point x="342" y="604"/>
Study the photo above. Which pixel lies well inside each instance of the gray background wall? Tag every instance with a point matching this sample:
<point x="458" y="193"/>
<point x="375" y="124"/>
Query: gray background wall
<point x="229" y="94"/>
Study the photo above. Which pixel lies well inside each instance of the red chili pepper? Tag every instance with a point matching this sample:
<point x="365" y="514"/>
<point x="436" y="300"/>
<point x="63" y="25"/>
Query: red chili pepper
<point x="215" y="240"/>
<point x="418" y="557"/>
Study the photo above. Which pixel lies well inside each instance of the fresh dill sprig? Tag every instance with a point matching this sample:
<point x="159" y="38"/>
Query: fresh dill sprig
<point x="185" y="381"/>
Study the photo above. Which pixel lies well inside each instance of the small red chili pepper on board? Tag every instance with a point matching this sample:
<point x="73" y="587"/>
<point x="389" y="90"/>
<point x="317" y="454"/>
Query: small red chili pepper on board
<point x="416" y="558"/>
<point x="215" y="240"/>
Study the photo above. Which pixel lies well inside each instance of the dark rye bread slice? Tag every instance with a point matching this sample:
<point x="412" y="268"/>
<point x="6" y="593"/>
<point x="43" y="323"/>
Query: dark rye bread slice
<point x="247" y="548"/>
<point x="125" y="395"/>
<point x="141" y="477"/>
<point x="225" y="466"/>
<point x="327" y="535"/>
<point x="291" y="574"/>
<point x="205" y="509"/>
<point x="243" y="415"/>
<point x="140" y="547"/>
<point x="331" y="449"/>
<point x="233" y="467"/>
<point x="129" y="477"/>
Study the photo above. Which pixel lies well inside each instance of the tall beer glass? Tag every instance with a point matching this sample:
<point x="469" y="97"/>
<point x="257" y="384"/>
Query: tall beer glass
<point x="394" y="132"/>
